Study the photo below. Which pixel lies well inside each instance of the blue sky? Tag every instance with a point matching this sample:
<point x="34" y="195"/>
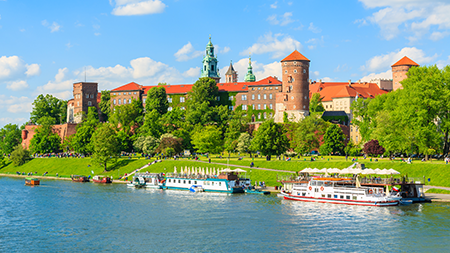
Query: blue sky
<point x="46" y="46"/>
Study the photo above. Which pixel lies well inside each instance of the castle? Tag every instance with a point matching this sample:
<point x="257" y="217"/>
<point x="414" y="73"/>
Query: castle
<point x="268" y="98"/>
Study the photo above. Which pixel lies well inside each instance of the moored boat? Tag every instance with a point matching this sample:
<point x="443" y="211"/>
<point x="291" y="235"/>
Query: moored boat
<point x="102" y="179"/>
<point x="78" y="178"/>
<point x="253" y="190"/>
<point x="32" y="181"/>
<point x="147" y="180"/>
<point x="341" y="191"/>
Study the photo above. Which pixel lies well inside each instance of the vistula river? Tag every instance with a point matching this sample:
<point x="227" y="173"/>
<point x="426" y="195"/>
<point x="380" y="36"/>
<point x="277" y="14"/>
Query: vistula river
<point x="62" y="216"/>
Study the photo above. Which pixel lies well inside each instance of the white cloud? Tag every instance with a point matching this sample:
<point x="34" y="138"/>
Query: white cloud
<point x="187" y="52"/>
<point x="382" y="62"/>
<point x="61" y="87"/>
<point x="54" y="27"/>
<point x="274" y="5"/>
<point x="442" y="63"/>
<point x="17" y="121"/>
<point x="382" y="75"/>
<point x="133" y="7"/>
<point x="327" y="79"/>
<point x="225" y="50"/>
<point x="33" y="69"/>
<point x="15" y="104"/>
<point x="285" y="19"/>
<point x="192" y="72"/>
<point x="439" y="35"/>
<point x="13" y="68"/>
<point x="313" y="28"/>
<point x="17" y="85"/>
<point x="416" y="17"/>
<point x="272" y="44"/>
<point x="44" y="22"/>
<point x="260" y="70"/>
<point x="316" y="73"/>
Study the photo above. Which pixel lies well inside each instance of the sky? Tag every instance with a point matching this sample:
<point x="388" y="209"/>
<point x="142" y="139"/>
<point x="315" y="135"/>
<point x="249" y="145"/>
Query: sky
<point x="46" y="46"/>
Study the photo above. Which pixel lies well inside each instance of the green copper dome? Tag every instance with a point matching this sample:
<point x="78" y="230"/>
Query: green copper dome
<point x="250" y="77"/>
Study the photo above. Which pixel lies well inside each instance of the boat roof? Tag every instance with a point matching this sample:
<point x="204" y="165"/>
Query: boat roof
<point x="31" y="178"/>
<point x="331" y="179"/>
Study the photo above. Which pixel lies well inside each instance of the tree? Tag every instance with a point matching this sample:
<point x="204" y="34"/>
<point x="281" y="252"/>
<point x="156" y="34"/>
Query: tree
<point x="105" y="105"/>
<point x="105" y="144"/>
<point x="207" y="139"/>
<point x="129" y="116"/>
<point x="146" y="144"/>
<point x="270" y="139"/>
<point x="373" y="148"/>
<point x="44" y="139"/>
<point x="308" y="133"/>
<point x="81" y="140"/>
<point x="333" y="140"/>
<point x="236" y="125"/>
<point x="204" y="90"/>
<point x="244" y="143"/>
<point x="10" y="136"/>
<point x="157" y="99"/>
<point x="170" y="141"/>
<point x="153" y="124"/>
<point x="49" y="106"/>
<point x="19" y="155"/>
<point x="315" y="105"/>
<point x="352" y="149"/>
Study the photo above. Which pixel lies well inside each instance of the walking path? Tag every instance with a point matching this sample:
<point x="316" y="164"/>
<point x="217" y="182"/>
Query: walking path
<point x="243" y="166"/>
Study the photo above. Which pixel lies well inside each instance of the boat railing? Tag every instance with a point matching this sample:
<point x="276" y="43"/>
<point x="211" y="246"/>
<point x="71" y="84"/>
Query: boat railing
<point x="190" y="176"/>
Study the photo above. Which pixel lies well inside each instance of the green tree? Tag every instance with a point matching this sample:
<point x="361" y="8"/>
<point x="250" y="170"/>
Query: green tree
<point x="153" y="124"/>
<point x="81" y="140"/>
<point x="315" y="105"/>
<point x="333" y="140"/>
<point x="129" y="116"/>
<point x="307" y="134"/>
<point x="270" y="139"/>
<point x="236" y="125"/>
<point x="245" y="143"/>
<point x="207" y="139"/>
<point x="49" y="106"/>
<point x="170" y="141"/>
<point x="105" y="144"/>
<point x="204" y="90"/>
<point x="44" y="139"/>
<point x="19" y="155"/>
<point x="105" y="105"/>
<point x="146" y="144"/>
<point x="157" y="99"/>
<point x="10" y="136"/>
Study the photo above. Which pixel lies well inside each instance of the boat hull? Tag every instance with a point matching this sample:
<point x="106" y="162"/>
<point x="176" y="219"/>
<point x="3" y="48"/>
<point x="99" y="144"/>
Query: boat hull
<point x="342" y="201"/>
<point x="32" y="182"/>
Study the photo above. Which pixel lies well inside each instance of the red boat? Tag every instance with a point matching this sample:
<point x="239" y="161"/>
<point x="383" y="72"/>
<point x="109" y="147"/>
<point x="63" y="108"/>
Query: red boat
<point x="78" y="178"/>
<point x="102" y="179"/>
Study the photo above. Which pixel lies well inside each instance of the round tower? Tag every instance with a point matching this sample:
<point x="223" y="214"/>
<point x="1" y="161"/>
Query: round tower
<point x="399" y="70"/>
<point x="294" y="96"/>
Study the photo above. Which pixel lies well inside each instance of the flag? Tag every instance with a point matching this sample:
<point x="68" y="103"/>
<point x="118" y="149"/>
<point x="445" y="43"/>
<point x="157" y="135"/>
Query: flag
<point x="395" y="188"/>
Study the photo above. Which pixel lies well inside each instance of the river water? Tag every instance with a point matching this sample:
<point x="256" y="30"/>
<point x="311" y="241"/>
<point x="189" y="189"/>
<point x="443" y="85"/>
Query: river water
<point x="62" y="216"/>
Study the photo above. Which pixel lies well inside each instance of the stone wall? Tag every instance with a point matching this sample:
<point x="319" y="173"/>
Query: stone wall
<point x="63" y="131"/>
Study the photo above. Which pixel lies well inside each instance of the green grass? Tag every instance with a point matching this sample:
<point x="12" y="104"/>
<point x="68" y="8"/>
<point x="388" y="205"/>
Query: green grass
<point x="437" y="171"/>
<point x="440" y="191"/>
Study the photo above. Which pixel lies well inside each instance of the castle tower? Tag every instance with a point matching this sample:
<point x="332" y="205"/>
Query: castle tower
<point x="399" y="70"/>
<point x="231" y="75"/>
<point x="209" y="68"/>
<point x="294" y="96"/>
<point x="250" y="77"/>
<point x="84" y="96"/>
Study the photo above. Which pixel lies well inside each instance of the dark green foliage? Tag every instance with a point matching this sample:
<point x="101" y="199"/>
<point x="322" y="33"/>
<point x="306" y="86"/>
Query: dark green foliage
<point x="157" y="99"/>
<point x="307" y="134"/>
<point x="333" y="140"/>
<point x="204" y="90"/>
<point x="315" y="105"/>
<point x="44" y="139"/>
<point x="105" y="144"/>
<point x="146" y="144"/>
<point x="81" y="140"/>
<point x="270" y="139"/>
<point x="173" y="142"/>
<point x="10" y="136"/>
<point x="105" y="105"/>
<point x="49" y="106"/>
<point x="19" y="155"/>
<point x="207" y="139"/>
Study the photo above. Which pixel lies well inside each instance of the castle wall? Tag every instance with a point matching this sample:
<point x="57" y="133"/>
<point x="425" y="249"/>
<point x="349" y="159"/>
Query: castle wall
<point x="63" y="131"/>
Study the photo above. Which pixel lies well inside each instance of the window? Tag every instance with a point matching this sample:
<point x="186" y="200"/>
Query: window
<point x="295" y="71"/>
<point x="270" y="96"/>
<point x="265" y="106"/>
<point x="169" y="109"/>
<point x="259" y="96"/>
<point x="129" y="93"/>
<point x="259" y="115"/>
<point x="265" y="96"/>
<point x="120" y="101"/>
<point x="276" y="88"/>
<point x="230" y="98"/>
<point x="230" y="107"/>
<point x="265" y="116"/>
<point x="145" y="99"/>
<point x="259" y="106"/>
<point x="114" y="101"/>
<point x="183" y="108"/>
<point x="244" y="107"/>
<point x="218" y="98"/>
<point x="253" y="96"/>
<point x="92" y="95"/>
<point x="270" y="106"/>
<point x="212" y="67"/>
<point x="347" y="197"/>
<point x="182" y="99"/>
<point x="118" y="93"/>
<point x="295" y="63"/>
<point x="78" y="103"/>
<point x="129" y="101"/>
<point x="87" y="95"/>
<point x="270" y="88"/>
<point x="253" y="106"/>
<point x="89" y="103"/>
<point x="244" y="97"/>
<point x="285" y="71"/>
<point x="114" y="94"/>
<point x="304" y="70"/>
<point x="134" y="93"/>
<point x="356" y="139"/>
<point x="259" y="88"/>
<point x="169" y="99"/>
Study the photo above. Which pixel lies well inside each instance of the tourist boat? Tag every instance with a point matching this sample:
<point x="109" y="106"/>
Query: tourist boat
<point x="102" y="179"/>
<point x="78" y="178"/>
<point x="147" y="180"/>
<point x="341" y="191"/>
<point x="196" y="188"/>
<point x="253" y="190"/>
<point x="227" y="181"/>
<point x="32" y="181"/>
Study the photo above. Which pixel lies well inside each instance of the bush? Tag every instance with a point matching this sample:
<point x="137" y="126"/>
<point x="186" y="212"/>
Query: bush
<point x="20" y="155"/>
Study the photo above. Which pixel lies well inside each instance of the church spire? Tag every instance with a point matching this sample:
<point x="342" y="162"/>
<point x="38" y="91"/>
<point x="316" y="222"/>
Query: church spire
<point x="250" y="77"/>
<point x="209" y="68"/>
<point x="231" y="75"/>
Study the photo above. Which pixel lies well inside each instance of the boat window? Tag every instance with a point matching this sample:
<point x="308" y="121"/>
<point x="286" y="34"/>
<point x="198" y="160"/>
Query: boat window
<point x="179" y="181"/>
<point x="304" y="194"/>
<point x="323" y="195"/>
<point x="335" y="196"/>
<point x="342" y="196"/>
<point x="313" y="183"/>
<point x="316" y="189"/>
<point x="184" y="181"/>
<point x="320" y="183"/>
<point x="169" y="180"/>
<point x="347" y="197"/>
<point x="220" y="183"/>
<point x="355" y="197"/>
<point x="195" y="182"/>
<point x="329" y="195"/>
<point x="189" y="182"/>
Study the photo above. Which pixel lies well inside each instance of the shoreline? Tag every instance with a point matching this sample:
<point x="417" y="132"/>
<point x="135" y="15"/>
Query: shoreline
<point x="52" y="178"/>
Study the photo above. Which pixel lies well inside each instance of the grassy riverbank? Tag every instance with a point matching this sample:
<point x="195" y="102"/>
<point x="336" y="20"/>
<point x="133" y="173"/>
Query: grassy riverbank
<point x="437" y="171"/>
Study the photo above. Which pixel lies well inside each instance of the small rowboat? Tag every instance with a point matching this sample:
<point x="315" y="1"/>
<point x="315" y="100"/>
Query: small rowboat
<point x="256" y="191"/>
<point x="32" y="181"/>
<point x="78" y="178"/>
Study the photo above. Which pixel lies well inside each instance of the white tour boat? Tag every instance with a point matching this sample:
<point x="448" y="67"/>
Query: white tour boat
<point x="340" y="191"/>
<point x="147" y="180"/>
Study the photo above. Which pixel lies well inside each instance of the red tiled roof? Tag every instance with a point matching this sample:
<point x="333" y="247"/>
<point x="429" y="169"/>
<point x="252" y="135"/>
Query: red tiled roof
<point x="330" y="90"/>
<point x="295" y="56"/>
<point x="129" y="86"/>
<point x="405" y="61"/>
